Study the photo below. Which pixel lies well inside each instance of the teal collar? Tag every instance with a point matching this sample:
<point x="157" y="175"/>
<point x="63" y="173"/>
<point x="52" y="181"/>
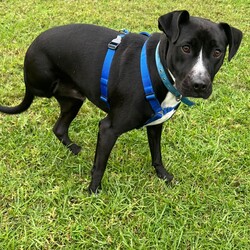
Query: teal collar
<point x="166" y="81"/>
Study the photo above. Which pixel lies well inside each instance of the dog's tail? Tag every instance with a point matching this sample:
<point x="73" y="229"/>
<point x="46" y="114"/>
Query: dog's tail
<point x="24" y="105"/>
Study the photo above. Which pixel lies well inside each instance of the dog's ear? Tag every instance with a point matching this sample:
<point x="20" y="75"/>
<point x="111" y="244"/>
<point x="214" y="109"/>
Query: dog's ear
<point x="170" y="23"/>
<point x="234" y="37"/>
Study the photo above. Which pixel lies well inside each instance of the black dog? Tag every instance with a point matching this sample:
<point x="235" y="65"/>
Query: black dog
<point x="67" y="62"/>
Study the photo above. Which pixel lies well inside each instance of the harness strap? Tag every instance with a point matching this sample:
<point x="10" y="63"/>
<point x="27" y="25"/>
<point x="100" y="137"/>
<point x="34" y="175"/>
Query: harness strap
<point x="159" y="111"/>
<point x="112" y="46"/>
<point x="147" y="85"/>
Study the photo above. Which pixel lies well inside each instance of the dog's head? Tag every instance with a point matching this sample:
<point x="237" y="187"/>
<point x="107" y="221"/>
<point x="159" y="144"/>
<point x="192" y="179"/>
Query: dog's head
<point x="195" y="50"/>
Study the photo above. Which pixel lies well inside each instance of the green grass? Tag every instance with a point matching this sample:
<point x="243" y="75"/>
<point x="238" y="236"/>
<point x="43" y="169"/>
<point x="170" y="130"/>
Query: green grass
<point x="43" y="198"/>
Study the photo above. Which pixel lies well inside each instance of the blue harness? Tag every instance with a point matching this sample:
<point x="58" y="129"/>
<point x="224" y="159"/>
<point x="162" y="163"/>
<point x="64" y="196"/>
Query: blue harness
<point x="159" y="111"/>
<point x="112" y="46"/>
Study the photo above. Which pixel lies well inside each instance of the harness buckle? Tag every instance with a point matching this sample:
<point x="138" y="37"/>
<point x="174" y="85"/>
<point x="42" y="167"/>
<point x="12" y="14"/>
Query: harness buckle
<point x="115" y="43"/>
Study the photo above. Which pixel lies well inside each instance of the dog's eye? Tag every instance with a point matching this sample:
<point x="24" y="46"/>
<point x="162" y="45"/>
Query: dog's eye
<point x="186" y="49"/>
<point x="217" y="53"/>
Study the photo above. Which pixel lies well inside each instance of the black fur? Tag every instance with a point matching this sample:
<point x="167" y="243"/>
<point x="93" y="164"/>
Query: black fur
<point x="66" y="63"/>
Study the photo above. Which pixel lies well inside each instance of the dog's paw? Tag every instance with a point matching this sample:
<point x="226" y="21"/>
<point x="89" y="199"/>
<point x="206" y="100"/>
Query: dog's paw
<point x="168" y="179"/>
<point x="163" y="174"/>
<point x="74" y="148"/>
<point x="94" y="190"/>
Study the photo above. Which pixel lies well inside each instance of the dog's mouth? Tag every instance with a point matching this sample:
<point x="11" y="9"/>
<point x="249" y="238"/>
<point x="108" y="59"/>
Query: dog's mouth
<point x="204" y="95"/>
<point x="196" y="94"/>
<point x="195" y="89"/>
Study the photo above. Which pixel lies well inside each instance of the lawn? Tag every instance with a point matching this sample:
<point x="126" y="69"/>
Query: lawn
<point x="43" y="199"/>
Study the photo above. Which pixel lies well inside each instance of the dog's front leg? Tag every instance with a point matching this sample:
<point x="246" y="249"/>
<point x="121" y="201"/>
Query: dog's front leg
<point x="105" y="142"/>
<point x="154" y="140"/>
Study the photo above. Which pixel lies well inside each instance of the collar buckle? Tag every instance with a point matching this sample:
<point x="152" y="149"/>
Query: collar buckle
<point x="178" y="98"/>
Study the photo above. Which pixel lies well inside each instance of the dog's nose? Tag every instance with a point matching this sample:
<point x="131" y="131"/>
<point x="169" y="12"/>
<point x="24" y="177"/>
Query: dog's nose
<point x="200" y="86"/>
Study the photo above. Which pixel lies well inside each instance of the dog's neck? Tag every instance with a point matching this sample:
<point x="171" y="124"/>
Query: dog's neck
<point x="160" y="90"/>
<point x="163" y="52"/>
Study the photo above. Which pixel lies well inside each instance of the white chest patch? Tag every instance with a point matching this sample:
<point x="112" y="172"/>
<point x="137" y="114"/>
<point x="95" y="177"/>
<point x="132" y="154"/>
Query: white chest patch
<point x="169" y="102"/>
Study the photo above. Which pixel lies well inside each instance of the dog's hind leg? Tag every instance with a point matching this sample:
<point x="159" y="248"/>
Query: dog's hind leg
<point x="69" y="110"/>
<point x="154" y="140"/>
<point x="70" y="101"/>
